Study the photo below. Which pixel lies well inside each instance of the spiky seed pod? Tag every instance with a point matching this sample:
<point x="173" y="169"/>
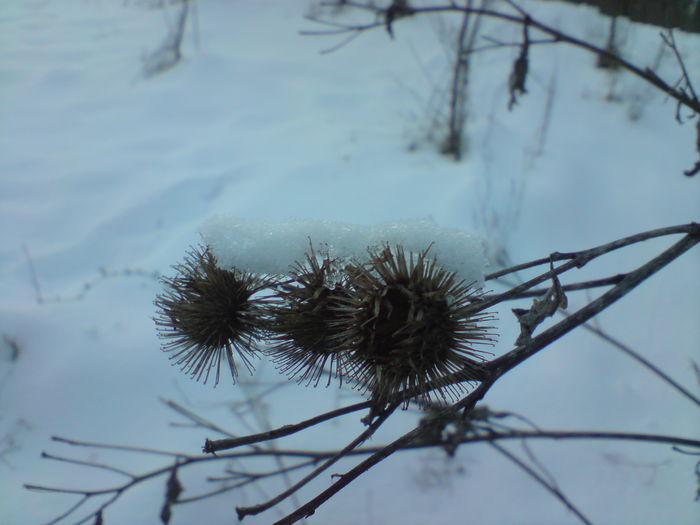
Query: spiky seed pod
<point x="303" y="344"/>
<point x="406" y="324"/>
<point x="207" y="312"/>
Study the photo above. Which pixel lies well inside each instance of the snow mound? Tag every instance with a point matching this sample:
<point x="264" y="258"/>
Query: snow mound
<point x="271" y="247"/>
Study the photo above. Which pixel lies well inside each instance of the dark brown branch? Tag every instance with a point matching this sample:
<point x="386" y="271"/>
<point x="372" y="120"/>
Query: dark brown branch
<point x="316" y="455"/>
<point x="632" y="280"/>
<point x="212" y="446"/>
<point x="573" y="287"/>
<point x="599" y="250"/>
<point x="342" y="481"/>
<point x="578" y="434"/>
<point x="364" y="436"/>
<point x="576" y="259"/>
<point x="405" y="443"/>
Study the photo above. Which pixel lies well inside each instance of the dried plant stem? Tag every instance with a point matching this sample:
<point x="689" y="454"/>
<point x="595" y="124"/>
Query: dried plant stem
<point x="522" y="18"/>
<point x="499" y="366"/>
<point x="256" y="509"/>
<point x="555" y="491"/>
<point x="414" y="441"/>
<point x="631" y="281"/>
<point x="212" y="446"/>
<point x="578" y="259"/>
<point x="644" y="362"/>
<point x="474" y="426"/>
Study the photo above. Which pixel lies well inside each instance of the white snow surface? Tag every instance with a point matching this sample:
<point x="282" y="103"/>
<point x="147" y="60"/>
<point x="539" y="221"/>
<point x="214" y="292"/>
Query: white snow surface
<point x="271" y="247"/>
<point x="106" y="175"/>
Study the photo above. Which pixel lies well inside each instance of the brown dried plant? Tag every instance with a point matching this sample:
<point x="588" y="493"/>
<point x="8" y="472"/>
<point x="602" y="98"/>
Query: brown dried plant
<point x="408" y="323"/>
<point x="305" y="318"/>
<point x="207" y="312"/>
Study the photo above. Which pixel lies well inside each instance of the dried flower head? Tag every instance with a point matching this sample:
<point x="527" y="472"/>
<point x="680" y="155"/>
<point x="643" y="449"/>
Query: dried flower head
<point x="304" y="321"/>
<point x="407" y="323"/>
<point x="207" y="312"/>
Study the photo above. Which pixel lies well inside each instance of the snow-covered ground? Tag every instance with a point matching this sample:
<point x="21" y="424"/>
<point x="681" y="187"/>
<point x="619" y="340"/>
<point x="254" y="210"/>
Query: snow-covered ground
<point x="107" y="174"/>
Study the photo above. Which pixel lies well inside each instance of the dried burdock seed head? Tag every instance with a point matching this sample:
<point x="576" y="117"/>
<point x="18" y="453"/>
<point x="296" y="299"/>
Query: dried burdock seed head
<point x="408" y="323"/>
<point x="207" y="312"/>
<point x="304" y="321"/>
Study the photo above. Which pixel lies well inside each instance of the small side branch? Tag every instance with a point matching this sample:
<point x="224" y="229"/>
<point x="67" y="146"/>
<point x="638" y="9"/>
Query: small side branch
<point x="633" y="279"/>
<point x="246" y="511"/>
<point x="554" y="490"/>
<point x="213" y="446"/>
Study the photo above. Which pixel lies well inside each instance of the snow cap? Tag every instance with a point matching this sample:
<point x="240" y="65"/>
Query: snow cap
<point x="271" y="247"/>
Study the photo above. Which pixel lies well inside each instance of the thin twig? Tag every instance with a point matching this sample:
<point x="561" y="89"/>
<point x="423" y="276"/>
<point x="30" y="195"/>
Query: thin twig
<point x="506" y="362"/>
<point x="256" y="509"/>
<point x="212" y="446"/>
<point x="195" y="418"/>
<point x="556" y="492"/>
<point x="643" y="361"/>
<point x="584" y="285"/>
<point x="91" y="464"/>
<point x="249" y="478"/>
<point x="32" y="275"/>
<point x="670" y="41"/>
<point x="579" y="259"/>
<point x="523" y="18"/>
<point x="124" y="448"/>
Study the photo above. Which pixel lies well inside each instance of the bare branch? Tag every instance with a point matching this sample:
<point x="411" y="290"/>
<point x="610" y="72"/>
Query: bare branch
<point x="643" y="361"/>
<point x="469" y="425"/>
<point x="124" y="448"/>
<point x="525" y="19"/>
<point x="92" y="464"/>
<point x="633" y="279"/>
<point x="539" y="479"/>
<point x="599" y="250"/>
<point x="225" y="444"/>
<point x="245" y="511"/>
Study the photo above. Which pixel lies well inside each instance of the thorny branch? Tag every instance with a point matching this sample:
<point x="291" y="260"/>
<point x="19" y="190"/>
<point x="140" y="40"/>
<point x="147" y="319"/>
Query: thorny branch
<point x="445" y="427"/>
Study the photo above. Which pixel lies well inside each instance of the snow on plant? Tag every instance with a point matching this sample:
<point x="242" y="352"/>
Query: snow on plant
<point x="383" y="317"/>
<point x="398" y="326"/>
<point x="271" y="247"/>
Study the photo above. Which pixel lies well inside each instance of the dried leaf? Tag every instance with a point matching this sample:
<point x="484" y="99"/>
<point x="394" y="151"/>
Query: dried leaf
<point x="518" y="75"/>
<point x="542" y="308"/>
<point x="173" y="489"/>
